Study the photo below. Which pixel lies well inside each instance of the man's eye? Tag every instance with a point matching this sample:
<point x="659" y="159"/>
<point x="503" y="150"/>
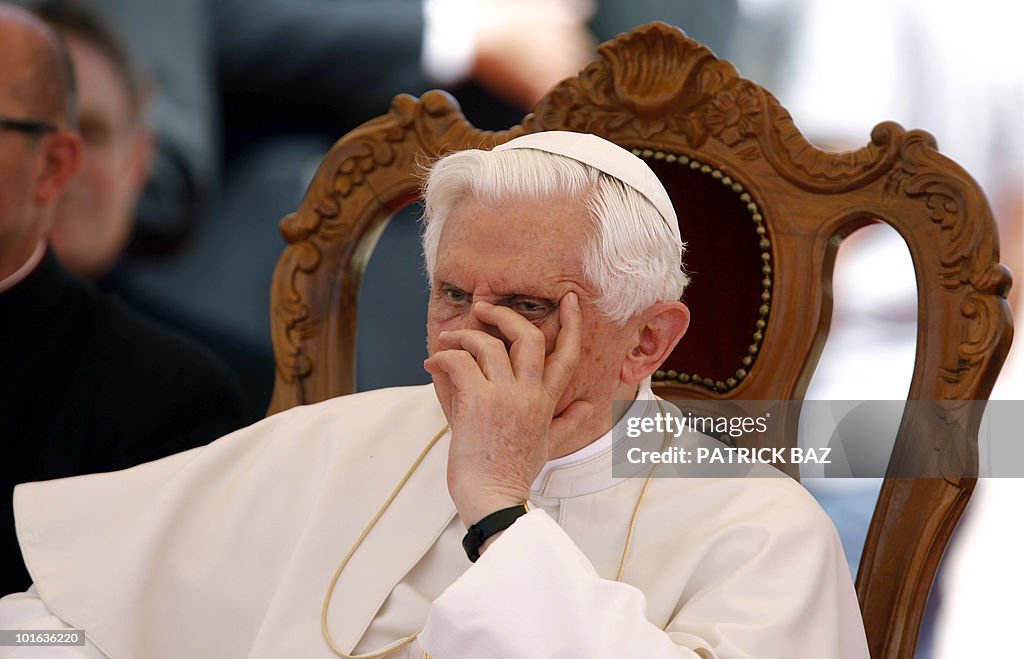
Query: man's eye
<point x="455" y="296"/>
<point x="95" y="133"/>
<point x="528" y="307"/>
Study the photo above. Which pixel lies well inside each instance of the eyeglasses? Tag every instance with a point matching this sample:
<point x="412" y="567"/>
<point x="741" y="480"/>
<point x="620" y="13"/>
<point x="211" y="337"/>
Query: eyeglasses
<point x="27" y="126"/>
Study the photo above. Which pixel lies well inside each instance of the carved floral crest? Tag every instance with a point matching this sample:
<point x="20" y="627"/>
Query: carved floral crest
<point x="654" y="81"/>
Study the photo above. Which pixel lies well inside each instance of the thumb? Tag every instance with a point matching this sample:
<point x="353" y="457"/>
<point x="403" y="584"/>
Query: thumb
<point x="571" y="417"/>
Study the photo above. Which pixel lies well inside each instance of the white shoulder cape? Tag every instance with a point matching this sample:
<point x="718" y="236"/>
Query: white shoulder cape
<point x="224" y="540"/>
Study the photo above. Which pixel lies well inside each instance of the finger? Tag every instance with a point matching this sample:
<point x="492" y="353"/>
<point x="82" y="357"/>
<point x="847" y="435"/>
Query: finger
<point x="488" y="351"/>
<point x="458" y="365"/>
<point x="568" y="422"/>
<point x="562" y="362"/>
<point x="527" y="345"/>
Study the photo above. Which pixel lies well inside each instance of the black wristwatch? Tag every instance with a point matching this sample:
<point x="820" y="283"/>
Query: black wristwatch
<point x="496" y="522"/>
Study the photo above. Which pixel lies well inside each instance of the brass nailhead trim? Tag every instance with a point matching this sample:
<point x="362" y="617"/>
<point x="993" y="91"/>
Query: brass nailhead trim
<point x="766" y="269"/>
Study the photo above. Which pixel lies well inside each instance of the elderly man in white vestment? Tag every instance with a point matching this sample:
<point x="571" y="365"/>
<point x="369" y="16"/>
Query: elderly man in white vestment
<point x="340" y="529"/>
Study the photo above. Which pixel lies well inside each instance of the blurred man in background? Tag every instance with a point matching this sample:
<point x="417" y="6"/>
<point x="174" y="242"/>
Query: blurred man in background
<point x="95" y="215"/>
<point x="86" y="384"/>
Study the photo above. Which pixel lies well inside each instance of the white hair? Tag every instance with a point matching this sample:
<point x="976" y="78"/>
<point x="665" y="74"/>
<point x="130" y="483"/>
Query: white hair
<point x="632" y="257"/>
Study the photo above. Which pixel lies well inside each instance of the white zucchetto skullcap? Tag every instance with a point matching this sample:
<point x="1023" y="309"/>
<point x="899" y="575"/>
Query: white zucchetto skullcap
<point x="607" y="157"/>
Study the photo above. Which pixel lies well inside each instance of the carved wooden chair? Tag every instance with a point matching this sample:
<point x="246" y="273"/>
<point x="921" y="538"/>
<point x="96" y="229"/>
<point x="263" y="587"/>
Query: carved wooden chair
<point x="763" y="212"/>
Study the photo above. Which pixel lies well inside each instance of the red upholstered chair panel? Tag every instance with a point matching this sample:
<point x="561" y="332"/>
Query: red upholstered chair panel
<point x="729" y="275"/>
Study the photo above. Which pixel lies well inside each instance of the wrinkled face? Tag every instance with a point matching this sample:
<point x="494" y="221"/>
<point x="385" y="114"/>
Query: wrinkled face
<point x="526" y="255"/>
<point x="95" y="214"/>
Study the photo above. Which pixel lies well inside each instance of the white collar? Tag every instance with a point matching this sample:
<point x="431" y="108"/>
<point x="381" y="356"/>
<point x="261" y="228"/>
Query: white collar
<point x="589" y="469"/>
<point x="16" y="277"/>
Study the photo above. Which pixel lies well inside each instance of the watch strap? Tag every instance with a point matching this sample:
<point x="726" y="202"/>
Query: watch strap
<point x="496" y="522"/>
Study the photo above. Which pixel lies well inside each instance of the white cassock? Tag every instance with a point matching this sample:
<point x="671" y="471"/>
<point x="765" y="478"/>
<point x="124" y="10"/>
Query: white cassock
<point x="227" y="551"/>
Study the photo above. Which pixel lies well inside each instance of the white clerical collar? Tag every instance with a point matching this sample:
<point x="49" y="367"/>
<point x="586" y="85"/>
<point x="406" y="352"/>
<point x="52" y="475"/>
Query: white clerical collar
<point x="556" y="473"/>
<point x="16" y="277"/>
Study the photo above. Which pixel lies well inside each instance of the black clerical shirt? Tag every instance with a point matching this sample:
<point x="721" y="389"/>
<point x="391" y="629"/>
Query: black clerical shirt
<point x="87" y="385"/>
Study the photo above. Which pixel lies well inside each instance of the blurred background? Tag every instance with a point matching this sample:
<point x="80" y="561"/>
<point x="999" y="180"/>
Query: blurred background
<point x="240" y="100"/>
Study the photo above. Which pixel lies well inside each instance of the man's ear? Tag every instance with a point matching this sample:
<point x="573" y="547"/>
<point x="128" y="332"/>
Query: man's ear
<point x="62" y="154"/>
<point x="660" y="329"/>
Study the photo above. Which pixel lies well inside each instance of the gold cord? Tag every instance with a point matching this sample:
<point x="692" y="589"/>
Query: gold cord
<point x="362" y="536"/>
<point x="636" y="512"/>
<point x="394" y="645"/>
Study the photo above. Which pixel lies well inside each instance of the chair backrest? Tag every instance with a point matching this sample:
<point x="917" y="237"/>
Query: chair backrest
<point x="763" y="212"/>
